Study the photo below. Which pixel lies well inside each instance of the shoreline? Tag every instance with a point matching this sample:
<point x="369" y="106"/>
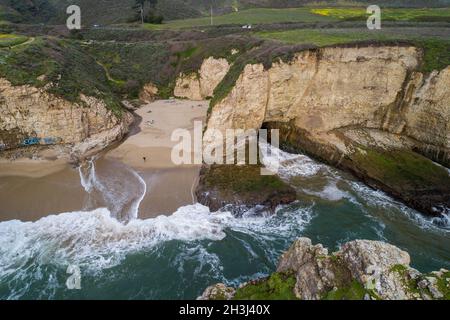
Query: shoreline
<point x="37" y="176"/>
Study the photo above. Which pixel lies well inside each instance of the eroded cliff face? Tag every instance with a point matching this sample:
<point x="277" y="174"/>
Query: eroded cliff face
<point x="32" y="116"/>
<point x="339" y="103"/>
<point x="319" y="91"/>
<point x="201" y="86"/>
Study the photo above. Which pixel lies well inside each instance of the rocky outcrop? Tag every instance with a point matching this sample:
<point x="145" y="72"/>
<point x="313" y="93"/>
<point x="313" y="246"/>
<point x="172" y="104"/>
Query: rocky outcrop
<point x="337" y="103"/>
<point x="201" y="85"/>
<point x="218" y="292"/>
<point x="148" y="93"/>
<point x="240" y="188"/>
<point x="32" y="116"/>
<point x="361" y="269"/>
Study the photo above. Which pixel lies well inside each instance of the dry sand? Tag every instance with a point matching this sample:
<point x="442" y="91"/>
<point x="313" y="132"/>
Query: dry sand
<point x="31" y="189"/>
<point x="159" y="120"/>
<point x="168" y="186"/>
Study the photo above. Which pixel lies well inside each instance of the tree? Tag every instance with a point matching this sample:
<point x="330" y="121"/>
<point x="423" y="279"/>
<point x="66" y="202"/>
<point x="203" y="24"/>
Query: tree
<point x="151" y="17"/>
<point x="139" y="6"/>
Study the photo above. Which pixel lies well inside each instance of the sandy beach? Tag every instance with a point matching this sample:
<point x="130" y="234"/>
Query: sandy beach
<point x="159" y="120"/>
<point x="168" y="186"/>
<point x="32" y="189"/>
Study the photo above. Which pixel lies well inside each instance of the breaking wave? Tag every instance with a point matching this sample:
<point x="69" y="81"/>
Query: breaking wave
<point x="121" y="189"/>
<point x="95" y="240"/>
<point x="288" y="165"/>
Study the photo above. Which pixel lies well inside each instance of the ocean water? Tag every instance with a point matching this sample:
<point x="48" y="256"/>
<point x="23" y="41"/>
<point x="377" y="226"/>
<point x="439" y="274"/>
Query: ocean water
<point x="120" y="256"/>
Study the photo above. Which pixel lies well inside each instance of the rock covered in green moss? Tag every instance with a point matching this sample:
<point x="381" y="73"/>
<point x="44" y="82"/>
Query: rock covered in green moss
<point x="224" y="185"/>
<point x="360" y="270"/>
<point x="278" y="286"/>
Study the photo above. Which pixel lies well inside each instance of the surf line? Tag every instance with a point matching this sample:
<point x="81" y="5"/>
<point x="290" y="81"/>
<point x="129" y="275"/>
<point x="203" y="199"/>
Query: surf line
<point x="91" y="182"/>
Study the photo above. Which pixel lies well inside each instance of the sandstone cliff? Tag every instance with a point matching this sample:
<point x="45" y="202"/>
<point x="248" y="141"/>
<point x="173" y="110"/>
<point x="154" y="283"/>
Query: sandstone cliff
<point x="352" y="107"/>
<point x="361" y="269"/>
<point x="201" y="85"/>
<point x="32" y="116"/>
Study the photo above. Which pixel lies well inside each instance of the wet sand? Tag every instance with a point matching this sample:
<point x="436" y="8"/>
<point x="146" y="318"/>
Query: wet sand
<point x="32" y="189"/>
<point x="30" y="168"/>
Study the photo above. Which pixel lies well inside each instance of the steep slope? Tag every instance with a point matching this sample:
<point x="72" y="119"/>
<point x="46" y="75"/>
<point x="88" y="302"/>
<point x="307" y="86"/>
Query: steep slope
<point x="365" y="109"/>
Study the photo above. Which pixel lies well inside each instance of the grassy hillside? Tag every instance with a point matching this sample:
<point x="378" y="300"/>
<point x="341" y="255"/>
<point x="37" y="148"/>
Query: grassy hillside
<point x="307" y="14"/>
<point x="253" y="16"/>
<point x="108" y="70"/>
<point x="119" y="11"/>
<point x="436" y="44"/>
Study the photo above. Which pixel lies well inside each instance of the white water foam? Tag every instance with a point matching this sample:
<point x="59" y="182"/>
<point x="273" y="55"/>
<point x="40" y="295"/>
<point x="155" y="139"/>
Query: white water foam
<point x="288" y="165"/>
<point x="380" y="199"/>
<point x="331" y="192"/>
<point x="94" y="240"/>
<point x="122" y="192"/>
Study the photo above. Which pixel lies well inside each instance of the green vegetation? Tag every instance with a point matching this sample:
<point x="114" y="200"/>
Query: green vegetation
<point x="388" y="14"/>
<point x="412" y="285"/>
<point x="436" y="54"/>
<point x="278" y="286"/>
<point x="436" y="49"/>
<point x="258" y="52"/>
<point x="354" y="291"/>
<point x="324" y="37"/>
<point x="130" y="66"/>
<point x="251" y="16"/>
<point x="245" y="178"/>
<point x="62" y="66"/>
<point x="405" y="169"/>
<point x="443" y="284"/>
<point x="11" y="40"/>
<point x="305" y="14"/>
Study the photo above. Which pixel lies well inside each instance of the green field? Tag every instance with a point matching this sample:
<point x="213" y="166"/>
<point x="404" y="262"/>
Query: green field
<point x="441" y="14"/>
<point x="11" y="40"/>
<point x="305" y="14"/>
<point x="326" y="37"/>
<point x="251" y="16"/>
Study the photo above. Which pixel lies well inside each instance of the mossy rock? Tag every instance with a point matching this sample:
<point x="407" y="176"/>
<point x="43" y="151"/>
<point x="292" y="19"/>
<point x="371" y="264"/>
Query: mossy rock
<point x="354" y="291"/>
<point x="222" y="185"/>
<point x="406" y="175"/>
<point x="279" y="286"/>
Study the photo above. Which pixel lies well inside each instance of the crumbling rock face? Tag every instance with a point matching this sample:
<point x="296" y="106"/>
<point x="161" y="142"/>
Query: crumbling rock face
<point x="148" y="93"/>
<point x="382" y="270"/>
<point x="32" y="116"/>
<point x="319" y="90"/>
<point x="201" y="86"/>
<point x="338" y="103"/>
<point x="217" y="292"/>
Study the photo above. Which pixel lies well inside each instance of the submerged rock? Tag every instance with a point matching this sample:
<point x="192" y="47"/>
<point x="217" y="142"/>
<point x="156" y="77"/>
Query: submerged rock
<point x="361" y="270"/>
